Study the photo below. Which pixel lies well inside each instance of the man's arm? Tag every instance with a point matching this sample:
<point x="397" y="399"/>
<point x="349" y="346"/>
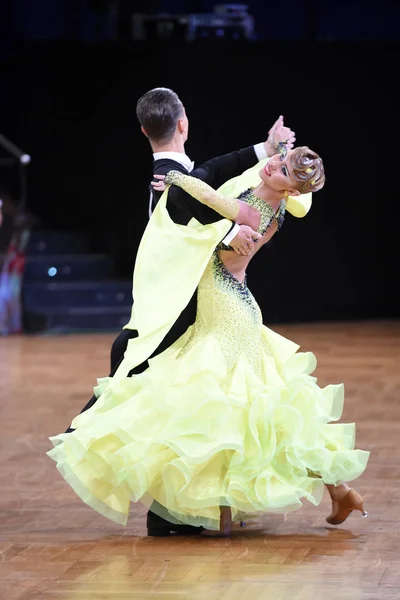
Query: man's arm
<point x="218" y="170"/>
<point x="214" y="172"/>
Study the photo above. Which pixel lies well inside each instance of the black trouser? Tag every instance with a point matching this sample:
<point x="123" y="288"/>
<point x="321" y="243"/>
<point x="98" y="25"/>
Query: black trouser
<point x="118" y="348"/>
<point x="186" y="318"/>
<point x="117" y="354"/>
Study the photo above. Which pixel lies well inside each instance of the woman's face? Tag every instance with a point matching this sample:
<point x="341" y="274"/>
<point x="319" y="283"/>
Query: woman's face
<point x="277" y="173"/>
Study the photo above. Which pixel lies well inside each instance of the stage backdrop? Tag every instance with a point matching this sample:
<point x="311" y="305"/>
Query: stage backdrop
<point x="72" y="107"/>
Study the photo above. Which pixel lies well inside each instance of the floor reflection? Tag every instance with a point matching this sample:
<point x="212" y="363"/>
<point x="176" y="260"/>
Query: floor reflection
<point x="246" y="567"/>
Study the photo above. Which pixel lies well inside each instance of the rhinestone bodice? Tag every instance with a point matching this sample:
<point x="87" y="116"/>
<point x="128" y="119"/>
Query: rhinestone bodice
<point x="227" y="310"/>
<point x="267" y="212"/>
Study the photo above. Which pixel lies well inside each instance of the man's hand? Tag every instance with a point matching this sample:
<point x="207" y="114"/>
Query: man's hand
<point x="243" y="243"/>
<point x="279" y="133"/>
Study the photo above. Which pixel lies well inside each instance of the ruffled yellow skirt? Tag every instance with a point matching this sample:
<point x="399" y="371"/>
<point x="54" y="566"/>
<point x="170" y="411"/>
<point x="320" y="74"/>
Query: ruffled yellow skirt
<point x="187" y="436"/>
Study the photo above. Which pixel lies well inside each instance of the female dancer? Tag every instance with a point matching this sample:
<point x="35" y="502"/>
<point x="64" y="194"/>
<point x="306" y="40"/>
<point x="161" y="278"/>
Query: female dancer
<point x="228" y="422"/>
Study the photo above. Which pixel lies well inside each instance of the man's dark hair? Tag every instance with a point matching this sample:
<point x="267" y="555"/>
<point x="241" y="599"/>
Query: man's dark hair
<point x="158" y="111"/>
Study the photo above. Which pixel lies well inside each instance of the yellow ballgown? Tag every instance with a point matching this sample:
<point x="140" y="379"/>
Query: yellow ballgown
<point x="230" y="414"/>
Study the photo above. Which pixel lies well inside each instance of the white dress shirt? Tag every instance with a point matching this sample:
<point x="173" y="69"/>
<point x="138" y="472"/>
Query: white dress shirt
<point x="185" y="161"/>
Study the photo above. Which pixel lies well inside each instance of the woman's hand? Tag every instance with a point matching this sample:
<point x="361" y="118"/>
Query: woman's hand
<point x="279" y="133"/>
<point x="159" y="185"/>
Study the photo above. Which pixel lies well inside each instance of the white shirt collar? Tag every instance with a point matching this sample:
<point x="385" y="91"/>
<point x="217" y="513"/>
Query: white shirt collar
<point x="179" y="157"/>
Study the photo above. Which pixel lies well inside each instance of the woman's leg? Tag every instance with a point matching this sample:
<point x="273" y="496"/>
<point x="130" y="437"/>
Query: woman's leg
<point x="337" y="492"/>
<point x="225" y="524"/>
<point x="344" y="501"/>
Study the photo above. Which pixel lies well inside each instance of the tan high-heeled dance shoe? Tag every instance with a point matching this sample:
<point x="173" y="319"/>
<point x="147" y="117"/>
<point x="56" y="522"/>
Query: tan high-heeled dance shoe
<point x="341" y="508"/>
<point x="225" y="525"/>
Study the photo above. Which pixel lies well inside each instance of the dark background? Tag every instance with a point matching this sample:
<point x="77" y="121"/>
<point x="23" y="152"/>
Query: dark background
<point x="70" y="79"/>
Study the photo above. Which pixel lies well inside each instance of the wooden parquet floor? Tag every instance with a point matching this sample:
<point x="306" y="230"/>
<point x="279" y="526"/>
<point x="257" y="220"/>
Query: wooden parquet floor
<point x="54" y="547"/>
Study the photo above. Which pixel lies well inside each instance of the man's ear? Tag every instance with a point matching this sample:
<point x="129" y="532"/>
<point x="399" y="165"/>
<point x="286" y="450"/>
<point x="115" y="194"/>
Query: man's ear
<point x="144" y="131"/>
<point x="294" y="192"/>
<point x="181" y="126"/>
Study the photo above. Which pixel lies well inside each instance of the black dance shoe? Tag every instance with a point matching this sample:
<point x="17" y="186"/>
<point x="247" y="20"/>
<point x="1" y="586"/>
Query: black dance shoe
<point x="159" y="527"/>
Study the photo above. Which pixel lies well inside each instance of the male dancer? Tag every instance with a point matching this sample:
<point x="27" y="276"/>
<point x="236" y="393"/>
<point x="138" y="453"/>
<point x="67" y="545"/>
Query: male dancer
<point x="164" y="122"/>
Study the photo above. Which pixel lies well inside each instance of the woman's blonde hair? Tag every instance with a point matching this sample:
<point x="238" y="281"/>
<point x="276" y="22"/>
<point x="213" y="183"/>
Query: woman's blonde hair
<point x="308" y="169"/>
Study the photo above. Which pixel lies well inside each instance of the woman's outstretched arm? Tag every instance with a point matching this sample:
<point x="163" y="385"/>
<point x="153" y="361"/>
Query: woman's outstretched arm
<point x="230" y="208"/>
